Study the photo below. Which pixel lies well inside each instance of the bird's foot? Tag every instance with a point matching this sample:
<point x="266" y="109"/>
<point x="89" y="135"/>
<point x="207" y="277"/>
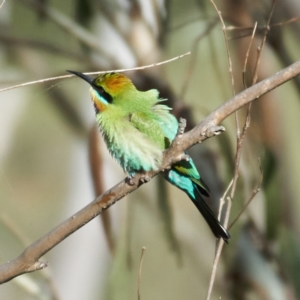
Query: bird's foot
<point x="129" y="179"/>
<point x="145" y="178"/>
<point x="212" y="130"/>
<point x="185" y="157"/>
<point x="181" y="126"/>
<point x="166" y="168"/>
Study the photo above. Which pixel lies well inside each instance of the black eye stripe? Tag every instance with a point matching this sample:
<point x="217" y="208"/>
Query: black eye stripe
<point x="103" y="93"/>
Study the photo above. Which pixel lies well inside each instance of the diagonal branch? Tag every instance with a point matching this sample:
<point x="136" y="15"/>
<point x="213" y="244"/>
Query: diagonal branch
<point x="28" y="261"/>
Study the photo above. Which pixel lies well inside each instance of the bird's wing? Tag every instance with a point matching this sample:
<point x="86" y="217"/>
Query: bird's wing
<point x="161" y="127"/>
<point x="148" y="124"/>
<point x="188" y="169"/>
<point x="166" y="120"/>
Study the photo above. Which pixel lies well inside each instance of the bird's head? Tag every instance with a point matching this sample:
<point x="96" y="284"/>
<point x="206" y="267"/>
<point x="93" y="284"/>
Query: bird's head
<point x="106" y="89"/>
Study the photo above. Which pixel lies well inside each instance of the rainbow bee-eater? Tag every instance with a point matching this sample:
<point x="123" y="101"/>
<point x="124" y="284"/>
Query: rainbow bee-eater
<point x="137" y="127"/>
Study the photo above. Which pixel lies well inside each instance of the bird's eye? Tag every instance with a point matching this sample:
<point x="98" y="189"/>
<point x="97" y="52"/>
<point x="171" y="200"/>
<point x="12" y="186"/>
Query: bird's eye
<point x="100" y="90"/>
<point x="102" y="93"/>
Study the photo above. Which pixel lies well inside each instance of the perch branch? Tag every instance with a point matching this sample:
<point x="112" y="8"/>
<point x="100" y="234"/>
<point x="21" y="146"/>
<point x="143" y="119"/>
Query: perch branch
<point x="28" y="261"/>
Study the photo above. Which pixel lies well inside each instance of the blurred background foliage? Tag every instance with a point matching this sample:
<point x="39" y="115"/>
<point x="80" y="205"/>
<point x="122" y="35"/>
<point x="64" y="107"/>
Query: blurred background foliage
<point x="53" y="161"/>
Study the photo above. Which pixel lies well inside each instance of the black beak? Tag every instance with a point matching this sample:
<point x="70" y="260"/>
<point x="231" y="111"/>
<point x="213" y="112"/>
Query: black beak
<point x="88" y="79"/>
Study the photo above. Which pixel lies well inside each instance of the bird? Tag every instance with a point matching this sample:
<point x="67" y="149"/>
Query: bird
<point x="137" y="127"/>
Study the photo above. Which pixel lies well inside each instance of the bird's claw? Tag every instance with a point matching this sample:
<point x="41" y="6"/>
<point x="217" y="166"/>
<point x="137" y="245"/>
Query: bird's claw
<point x="181" y="126"/>
<point x="213" y="130"/>
<point x="145" y="178"/>
<point x="129" y="179"/>
<point x="185" y="157"/>
<point x="166" y="168"/>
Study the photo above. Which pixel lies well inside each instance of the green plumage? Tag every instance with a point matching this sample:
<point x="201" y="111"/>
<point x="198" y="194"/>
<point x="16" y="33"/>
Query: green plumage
<point x="133" y="133"/>
<point x="137" y="127"/>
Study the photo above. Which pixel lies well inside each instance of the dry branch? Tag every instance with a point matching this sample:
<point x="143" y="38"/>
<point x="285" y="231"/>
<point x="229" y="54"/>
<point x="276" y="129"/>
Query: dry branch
<point x="28" y="261"/>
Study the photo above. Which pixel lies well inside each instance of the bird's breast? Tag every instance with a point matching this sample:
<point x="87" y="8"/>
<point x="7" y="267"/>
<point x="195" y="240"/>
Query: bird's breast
<point x="131" y="148"/>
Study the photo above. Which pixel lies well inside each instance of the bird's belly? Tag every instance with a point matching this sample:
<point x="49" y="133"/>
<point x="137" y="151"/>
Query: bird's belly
<point x="134" y="154"/>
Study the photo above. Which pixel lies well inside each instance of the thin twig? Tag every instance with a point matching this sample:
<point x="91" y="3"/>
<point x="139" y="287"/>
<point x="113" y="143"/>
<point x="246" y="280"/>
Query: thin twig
<point x="247" y="56"/>
<point x="94" y="73"/>
<point x="254" y="193"/>
<point x="267" y="29"/>
<point x="3" y="1"/>
<point x="229" y="60"/>
<point x="248" y="116"/>
<point x="226" y="44"/>
<point x="292" y="20"/>
<point x="140" y="273"/>
<point x="240" y="137"/>
<point x="279" y="24"/>
<point x="219" y="248"/>
<point x="220" y="243"/>
<point x="222" y="200"/>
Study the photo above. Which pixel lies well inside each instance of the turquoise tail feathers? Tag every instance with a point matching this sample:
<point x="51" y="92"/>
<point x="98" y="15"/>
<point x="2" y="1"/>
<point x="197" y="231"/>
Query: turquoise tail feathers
<point x="195" y="189"/>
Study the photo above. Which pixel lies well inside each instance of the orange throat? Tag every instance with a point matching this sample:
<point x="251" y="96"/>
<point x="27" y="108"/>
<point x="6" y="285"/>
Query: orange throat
<point x="98" y="104"/>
